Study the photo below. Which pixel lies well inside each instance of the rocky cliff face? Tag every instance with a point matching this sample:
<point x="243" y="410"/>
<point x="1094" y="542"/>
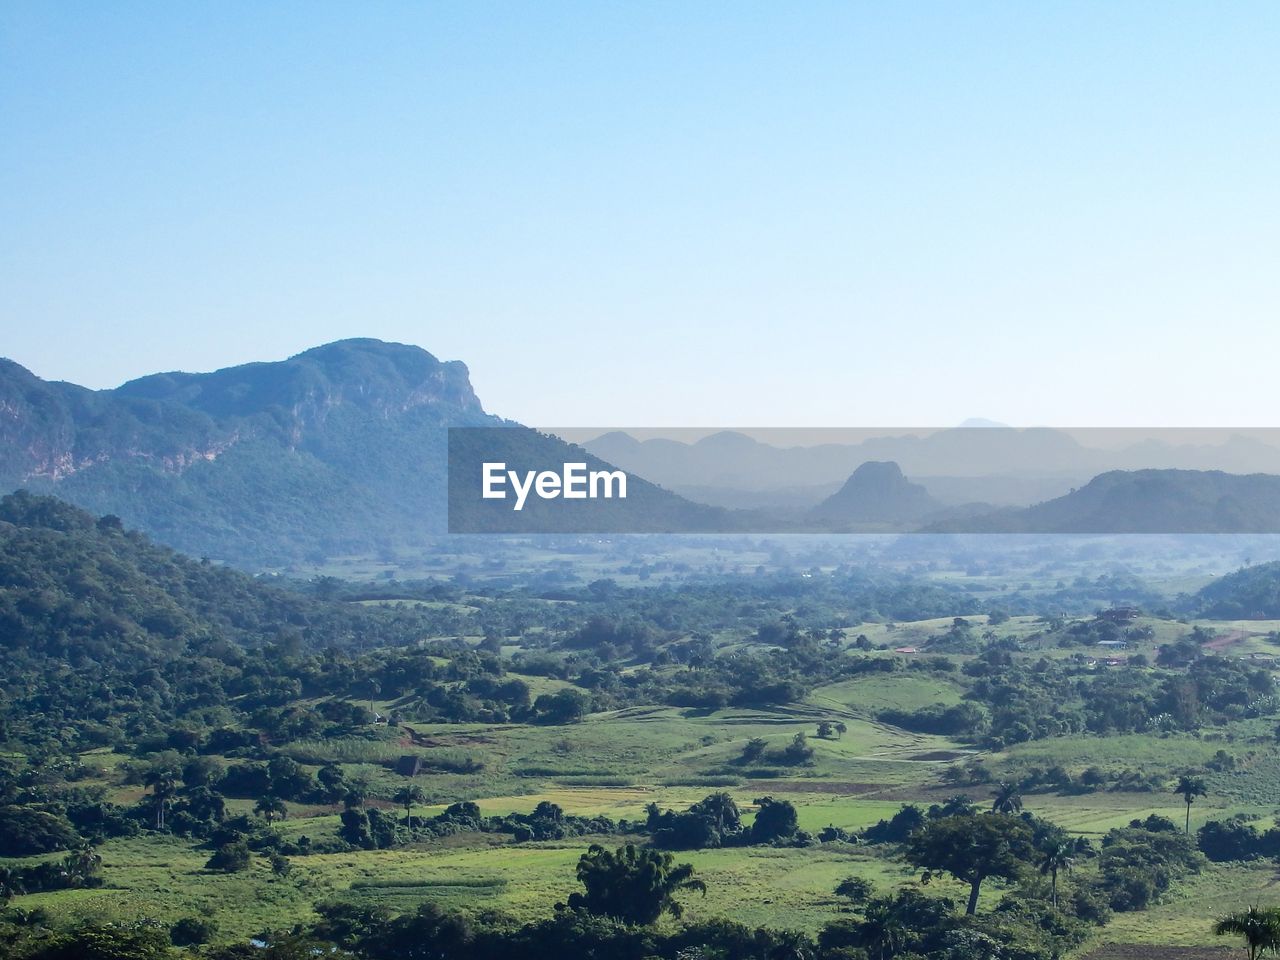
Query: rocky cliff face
<point x="338" y="448"/>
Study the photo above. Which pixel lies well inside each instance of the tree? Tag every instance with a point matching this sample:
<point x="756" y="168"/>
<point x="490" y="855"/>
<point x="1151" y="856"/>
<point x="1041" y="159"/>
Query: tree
<point x="798" y="750"/>
<point x="775" y="820"/>
<point x="26" y="830"/>
<point x="269" y="808"/>
<point x="900" y="925"/>
<point x="191" y="931"/>
<point x="162" y="780"/>
<point x="407" y="796"/>
<point x="1259" y="928"/>
<point x="332" y="781"/>
<point x="721" y="810"/>
<point x="231" y="857"/>
<point x="631" y="884"/>
<point x="972" y="847"/>
<point x="882" y="930"/>
<point x="563" y="706"/>
<point x="754" y="749"/>
<point x="1056" y="855"/>
<point x="1007" y="798"/>
<point x="202" y="772"/>
<point x="1190" y="787"/>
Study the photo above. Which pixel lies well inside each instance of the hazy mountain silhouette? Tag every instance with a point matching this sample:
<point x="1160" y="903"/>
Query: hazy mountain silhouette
<point x="1146" y="501"/>
<point x="876" y="492"/>
<point x="980" y="461"/>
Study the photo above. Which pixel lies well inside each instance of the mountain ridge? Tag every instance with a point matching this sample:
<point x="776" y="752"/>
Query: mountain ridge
<point x="1144" y="501"/>
<point x="342" y="449"/>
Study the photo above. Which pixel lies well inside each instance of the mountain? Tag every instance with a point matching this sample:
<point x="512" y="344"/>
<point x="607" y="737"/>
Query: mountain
<point x="342" y="449"/>
<point x="1146" y="501"/>
<point x="811" y="458"/>
<point x="979" y="461"/>
<point x="876" y="492"/>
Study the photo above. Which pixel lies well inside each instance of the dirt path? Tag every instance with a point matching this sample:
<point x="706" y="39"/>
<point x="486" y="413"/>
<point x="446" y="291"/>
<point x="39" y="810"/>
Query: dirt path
<point x="1220" y="643"/>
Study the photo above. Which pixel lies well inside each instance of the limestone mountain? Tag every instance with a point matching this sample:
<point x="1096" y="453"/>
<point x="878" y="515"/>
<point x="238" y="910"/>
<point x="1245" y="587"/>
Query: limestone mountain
<point x="342" y="449"/>
<point x="877" y="492"/>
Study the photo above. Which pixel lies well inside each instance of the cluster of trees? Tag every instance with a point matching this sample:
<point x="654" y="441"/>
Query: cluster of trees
<point x="1057" y="778"/>
<point x="1135" y="864"/>
<point x="712" y="822"/>
<point x="76" y="870"/>
<point x="1049" y="698"/>
<point x="374" y="829"/>
<point x="1236" y="839"/>
<point x="715" y="821"/>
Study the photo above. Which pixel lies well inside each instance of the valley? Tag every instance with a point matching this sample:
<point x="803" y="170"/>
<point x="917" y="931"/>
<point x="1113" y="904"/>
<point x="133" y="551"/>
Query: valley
<point x="462" y="742"/>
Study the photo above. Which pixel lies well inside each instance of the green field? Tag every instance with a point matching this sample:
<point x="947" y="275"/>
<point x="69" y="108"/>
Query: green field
<point x="615" y="764"/>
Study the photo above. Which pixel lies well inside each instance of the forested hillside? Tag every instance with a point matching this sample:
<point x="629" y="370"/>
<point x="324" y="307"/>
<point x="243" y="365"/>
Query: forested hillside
<point x="1251" y="593"/>
<point x="108" y="636"/>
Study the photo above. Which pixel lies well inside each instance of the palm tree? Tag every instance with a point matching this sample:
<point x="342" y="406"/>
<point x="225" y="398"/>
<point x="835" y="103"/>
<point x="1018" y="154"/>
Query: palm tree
<point x="1056" y="855"/>
<point x="634" y="884"/>
<point x="79" y="866"/>
<point x="1190" y="787"/>
<point x="1260" y="929"/>
<point x="409" y="795"/>
<point x="881" y="930"/>
<point x="163" y="785"/>
<point x="1007" y="799"/>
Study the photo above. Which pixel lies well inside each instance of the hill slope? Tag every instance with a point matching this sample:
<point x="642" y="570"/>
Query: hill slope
<point x="1249" y="594"/>
<point x="102" y="630"/>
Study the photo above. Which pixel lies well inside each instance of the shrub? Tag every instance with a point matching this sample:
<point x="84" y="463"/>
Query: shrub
<point x="191" y="931"/>
<point x="231" y="857"/>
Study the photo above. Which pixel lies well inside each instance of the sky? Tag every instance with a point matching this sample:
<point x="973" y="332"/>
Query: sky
<point x="661" y="214"/>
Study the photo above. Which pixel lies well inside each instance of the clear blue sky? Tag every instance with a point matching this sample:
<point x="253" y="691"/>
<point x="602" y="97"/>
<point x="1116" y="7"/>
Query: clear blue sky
<point x="661" y="213"/>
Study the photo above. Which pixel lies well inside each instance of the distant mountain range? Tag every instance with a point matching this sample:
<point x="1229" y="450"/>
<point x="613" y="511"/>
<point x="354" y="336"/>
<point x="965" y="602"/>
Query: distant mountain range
<point x="980" y="461"/>
<point x="344" y="449"/>
<point x="1144" y="501"/>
